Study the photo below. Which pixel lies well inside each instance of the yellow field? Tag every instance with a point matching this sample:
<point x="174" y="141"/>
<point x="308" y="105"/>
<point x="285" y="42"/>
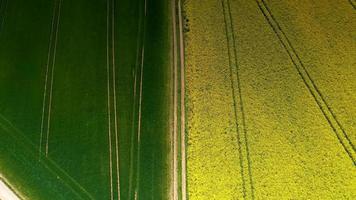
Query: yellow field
<point x="211" y="127"/>
<point x="324" y="34"/>
<point x="293" y="151"/>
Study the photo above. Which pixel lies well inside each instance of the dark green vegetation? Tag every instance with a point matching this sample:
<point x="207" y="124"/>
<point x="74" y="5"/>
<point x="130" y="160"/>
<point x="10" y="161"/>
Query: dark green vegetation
<point x="23" y="56"/>
<point x="76" y="116"/>
<point x="153" y="182"/>
<point x="31" y="177"/>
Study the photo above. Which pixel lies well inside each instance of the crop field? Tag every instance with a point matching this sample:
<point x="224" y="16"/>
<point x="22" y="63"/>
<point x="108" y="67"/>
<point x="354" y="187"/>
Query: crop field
<point x="270" y="89"/>
<point x="177" y="99"/>
<point x="84" y="98"/>
<point x="213" y="161"/>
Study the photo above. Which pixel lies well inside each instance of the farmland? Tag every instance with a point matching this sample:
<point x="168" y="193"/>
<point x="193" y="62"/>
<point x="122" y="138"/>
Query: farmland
<point x="211" y="126"/>
<point x="289" y="141"/>
<point x="332" y="59"/>
<point x="84" y="98"/>
<point x="177" y="99"/>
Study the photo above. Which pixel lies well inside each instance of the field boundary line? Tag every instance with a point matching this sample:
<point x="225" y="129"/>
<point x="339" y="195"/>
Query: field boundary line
<point x="171" y="114"/>
<point x="239" y="115"/>
<point x="331" y="118"/>
<point x="174" y="191"/>
<point x="182" y="105"/>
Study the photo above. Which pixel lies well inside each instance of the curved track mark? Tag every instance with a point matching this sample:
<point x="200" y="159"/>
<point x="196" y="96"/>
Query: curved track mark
<point x="49" y="55"/>
<point x="49" y="78"/>
<point x="140" y="103"/>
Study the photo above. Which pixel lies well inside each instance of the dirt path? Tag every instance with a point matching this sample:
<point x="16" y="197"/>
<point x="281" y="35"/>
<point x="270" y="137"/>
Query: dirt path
<point x="175" y="106"/>
<point x="182" y="103"/>
<point x="178" y="135"/>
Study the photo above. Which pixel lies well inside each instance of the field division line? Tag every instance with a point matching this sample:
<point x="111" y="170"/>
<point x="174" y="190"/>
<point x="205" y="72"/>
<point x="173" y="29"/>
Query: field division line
<point x="239" y="114"/>
<point x="182" y="104"/>
<point x="174" y="191"/>
<point x="339" y="131"/>
<point x="178" y="181"/>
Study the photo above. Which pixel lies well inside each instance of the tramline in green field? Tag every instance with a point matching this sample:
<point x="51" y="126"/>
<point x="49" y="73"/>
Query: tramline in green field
<point x="74" y="83"/>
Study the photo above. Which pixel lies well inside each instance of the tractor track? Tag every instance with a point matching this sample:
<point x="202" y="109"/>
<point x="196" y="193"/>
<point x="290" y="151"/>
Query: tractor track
<point x="178" y="144"/>
<point x="113" y="135"/>
<point x="352" y="3"/>
<point x="49" y="79"/>
<point x="140" y="98"/>
<point x="135" y="110"/>
<point x="239" y="115"/>
<point x="324" y="107"/>
<point x="182" y="106"/>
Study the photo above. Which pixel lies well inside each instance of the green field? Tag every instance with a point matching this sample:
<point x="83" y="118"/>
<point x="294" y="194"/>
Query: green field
<point x="70" y="101"/>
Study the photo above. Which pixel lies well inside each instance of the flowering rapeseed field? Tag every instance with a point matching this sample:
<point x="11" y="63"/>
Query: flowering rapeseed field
<point x="270" y="98"/>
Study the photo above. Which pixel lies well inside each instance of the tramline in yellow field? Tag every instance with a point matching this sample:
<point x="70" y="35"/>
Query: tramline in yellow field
<point x="211" y="126"/>
<point x="290" y="148"/>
